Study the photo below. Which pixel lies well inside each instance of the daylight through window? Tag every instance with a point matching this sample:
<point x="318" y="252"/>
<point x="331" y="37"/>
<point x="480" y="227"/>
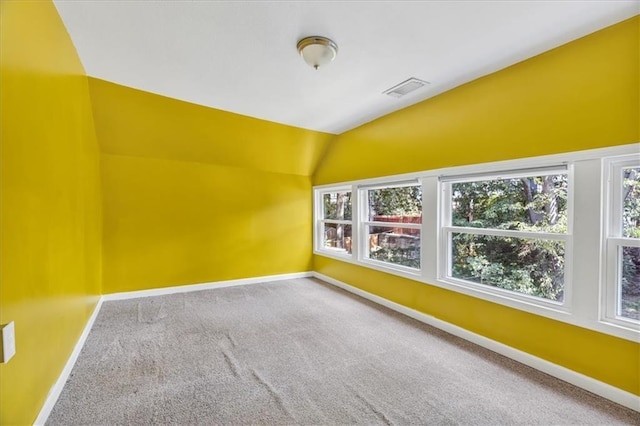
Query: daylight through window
<point x="336" y="222"/>
<point x="509" y="232"/>
<point x="556" y="236"/>
<point x="623" y="242"/>
<point x="392" y="225"/>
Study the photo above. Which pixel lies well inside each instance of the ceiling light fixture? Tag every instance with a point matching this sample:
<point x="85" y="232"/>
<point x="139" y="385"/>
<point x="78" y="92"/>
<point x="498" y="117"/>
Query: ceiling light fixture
<point x="317" y="51"/>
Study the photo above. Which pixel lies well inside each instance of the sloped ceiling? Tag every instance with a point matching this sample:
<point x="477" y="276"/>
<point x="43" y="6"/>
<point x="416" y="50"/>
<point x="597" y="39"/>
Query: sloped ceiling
<point x="241" y="56"/>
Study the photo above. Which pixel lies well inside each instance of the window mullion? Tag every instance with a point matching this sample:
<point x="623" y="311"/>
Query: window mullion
<point x="355" y="226"/>
<point x="429" y="231"/>
<point x="444" y="237"/>
<point x="583" y="262"/>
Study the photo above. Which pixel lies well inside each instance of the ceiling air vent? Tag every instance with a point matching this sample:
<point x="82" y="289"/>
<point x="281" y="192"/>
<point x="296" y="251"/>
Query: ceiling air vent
<point x="405" y="87"/>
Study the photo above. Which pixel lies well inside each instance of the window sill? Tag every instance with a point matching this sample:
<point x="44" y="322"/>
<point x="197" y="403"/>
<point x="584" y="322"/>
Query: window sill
<point x="335" y="254"/>
<point x="623" y="326"/>
<point x="522" y="302"/>
<point x="404" y="272"/>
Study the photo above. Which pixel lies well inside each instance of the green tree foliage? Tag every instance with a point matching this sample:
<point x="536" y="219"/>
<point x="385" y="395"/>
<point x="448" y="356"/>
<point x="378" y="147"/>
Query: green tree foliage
<point x="529" y="266"/>
<point x="526" y="265"/>
<point x="337" y="205"/>
<point x="401" y="201"/>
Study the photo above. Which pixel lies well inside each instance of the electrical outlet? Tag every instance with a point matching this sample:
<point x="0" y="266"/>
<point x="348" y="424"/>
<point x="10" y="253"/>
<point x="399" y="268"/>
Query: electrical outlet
<point x="8" y="342"/>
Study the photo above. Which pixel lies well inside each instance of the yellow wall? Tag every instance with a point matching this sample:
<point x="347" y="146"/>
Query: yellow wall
<point x="50" y="210"/>
<point x="579" y="96"/>
<point x="193" y="194"/>
<point x="140" y="124"/>
<point x="175" y="222"/>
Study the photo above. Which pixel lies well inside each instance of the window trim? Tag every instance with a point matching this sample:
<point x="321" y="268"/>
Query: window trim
<point x="583" y="302"/>
<point x="613" y="240"/>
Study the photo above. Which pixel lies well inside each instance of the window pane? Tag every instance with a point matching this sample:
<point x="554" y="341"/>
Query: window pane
<point x="527" y="266"/>
<point x="337" y="205"/>
<point x="629" y="305"/>
<point x="536" y="203"/>
<point x="337" y="237"/>
<point x="397" y="204"/>
<point x="399" y="246"/>
<point x="631" y="202"/>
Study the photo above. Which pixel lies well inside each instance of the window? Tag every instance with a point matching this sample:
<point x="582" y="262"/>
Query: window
<point x="392" y="224"/>
<point x="556" y="236"/>
<point x="508" y="232"/>
<point x="335" y="222"/>
<point x="623" y="241"/>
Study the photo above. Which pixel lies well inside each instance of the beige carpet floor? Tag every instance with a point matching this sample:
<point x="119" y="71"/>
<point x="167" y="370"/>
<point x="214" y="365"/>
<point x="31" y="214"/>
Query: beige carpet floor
<point x="302" y="352"/>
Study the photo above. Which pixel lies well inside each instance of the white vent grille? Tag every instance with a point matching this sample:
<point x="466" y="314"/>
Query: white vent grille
<point x="405" y="87"/>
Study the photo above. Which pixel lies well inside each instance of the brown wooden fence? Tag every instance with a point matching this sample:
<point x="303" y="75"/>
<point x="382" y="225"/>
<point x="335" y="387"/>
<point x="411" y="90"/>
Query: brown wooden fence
<point x="399" y="219"/>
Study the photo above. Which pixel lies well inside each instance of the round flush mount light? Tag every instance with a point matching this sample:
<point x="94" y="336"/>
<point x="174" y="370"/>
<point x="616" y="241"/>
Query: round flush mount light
<point x="317" y="51"/>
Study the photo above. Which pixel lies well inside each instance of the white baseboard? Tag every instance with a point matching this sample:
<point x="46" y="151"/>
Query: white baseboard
<point x="56" y="389"/>
<point x="203" y="286"/>
<point x="597" y="387"/>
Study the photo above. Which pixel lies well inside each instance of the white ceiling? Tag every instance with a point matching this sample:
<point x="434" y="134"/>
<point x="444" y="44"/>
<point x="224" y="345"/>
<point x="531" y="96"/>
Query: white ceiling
<point x="241" y="56"/>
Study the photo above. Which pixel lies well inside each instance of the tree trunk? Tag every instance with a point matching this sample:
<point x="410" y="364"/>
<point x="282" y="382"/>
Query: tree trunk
<point x="534" y="217"/>
<point x="626" y="189"/>
<point x="551" y="202"/>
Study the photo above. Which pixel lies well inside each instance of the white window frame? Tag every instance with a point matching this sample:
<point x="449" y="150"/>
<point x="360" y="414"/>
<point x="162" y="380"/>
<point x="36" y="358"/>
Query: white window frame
<point x="447" y="229"/>
<point x="320" y="221"/>
<point x="364" y="223"/>
<point x="585" y="250"/>
<point x="614" y="240"/>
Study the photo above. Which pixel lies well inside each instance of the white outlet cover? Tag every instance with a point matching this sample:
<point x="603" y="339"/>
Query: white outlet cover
<point x="8" y="341"/>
